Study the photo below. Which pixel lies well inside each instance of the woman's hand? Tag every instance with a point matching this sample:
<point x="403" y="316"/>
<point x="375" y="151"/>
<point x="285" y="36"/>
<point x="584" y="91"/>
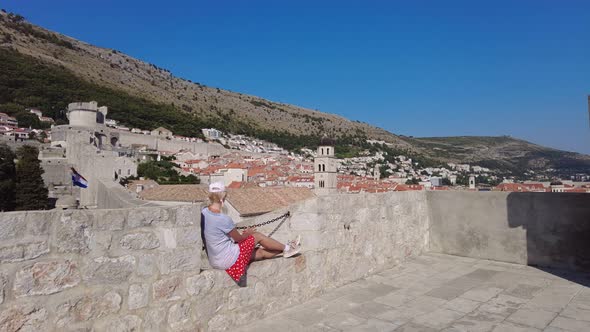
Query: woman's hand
<point x="249" y="231"/>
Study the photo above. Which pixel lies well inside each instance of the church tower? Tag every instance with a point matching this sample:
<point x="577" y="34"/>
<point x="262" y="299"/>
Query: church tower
<point x="325" y="168"/>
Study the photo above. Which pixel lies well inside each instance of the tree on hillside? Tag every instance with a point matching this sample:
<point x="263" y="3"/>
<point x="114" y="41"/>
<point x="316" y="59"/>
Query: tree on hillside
<point x="7" y="178"/>
<point x="31" y="193"/>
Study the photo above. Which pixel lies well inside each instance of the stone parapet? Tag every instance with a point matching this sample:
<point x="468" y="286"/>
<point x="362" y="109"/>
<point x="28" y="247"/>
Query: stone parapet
<point x="143" y="269"/>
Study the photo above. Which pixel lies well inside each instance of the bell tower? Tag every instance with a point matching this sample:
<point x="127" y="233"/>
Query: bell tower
<point x="325" y="168"/>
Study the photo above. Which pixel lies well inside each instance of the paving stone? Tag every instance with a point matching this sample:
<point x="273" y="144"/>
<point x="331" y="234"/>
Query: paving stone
<point x="439" y="318"/>
<point x="373" y="325"/>
<point x="343" y="320"/>
<point x="576" y="311"/>
<point x="523" y="291"/>
<point x="463" y="282"/>
<point x="477" y="322"/>
<point x="394" y="299"/>
<point x="482" y="294"/>
<point x="537" y="318"/>
<point x="503" y="305"/>
<point x="340" y="305"/>
<point x="551" y="300"/>
<point x="481" y="274"/>
<point x="446" y="293"/>
<point x="412" y="327"/>
<point x="507" y="327"/>
<point x="395" y="316"/>
<point x="370" y="309"/>
<point x="569" y="324"/>
<point x="422" y="305"/>
<point x="462" y="305"/>
<point x="367" y="294"/>
<point x="278" y="323"/>
<point x="306" y="315"/>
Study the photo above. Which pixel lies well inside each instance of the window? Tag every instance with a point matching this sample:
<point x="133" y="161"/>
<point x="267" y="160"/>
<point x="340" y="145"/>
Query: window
<point x="319" y="168"/>
<point x="328" y="151"/>
<point x="322" y="184"/>
<point x="323" y="167"/>
<point x="322" y="151"/>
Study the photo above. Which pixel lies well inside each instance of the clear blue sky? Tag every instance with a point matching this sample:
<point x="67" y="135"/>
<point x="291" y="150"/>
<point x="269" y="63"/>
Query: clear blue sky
<point x="422" y="68"/>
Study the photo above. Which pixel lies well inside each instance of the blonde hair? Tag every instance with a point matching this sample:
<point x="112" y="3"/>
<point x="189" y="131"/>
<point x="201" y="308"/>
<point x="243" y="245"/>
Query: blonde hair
<point x="216" y="197"/>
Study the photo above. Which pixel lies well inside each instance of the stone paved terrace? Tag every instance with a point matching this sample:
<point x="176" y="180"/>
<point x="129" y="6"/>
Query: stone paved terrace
<point x="437" y="292"/>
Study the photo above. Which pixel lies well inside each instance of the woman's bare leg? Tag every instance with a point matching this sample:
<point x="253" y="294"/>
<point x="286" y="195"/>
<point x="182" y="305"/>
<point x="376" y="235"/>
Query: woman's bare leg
<point x="268" y="243"/>
<point x="260" y="254"/>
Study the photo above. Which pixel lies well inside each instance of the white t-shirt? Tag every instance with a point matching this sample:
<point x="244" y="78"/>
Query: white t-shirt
<point x="221" y="248"/>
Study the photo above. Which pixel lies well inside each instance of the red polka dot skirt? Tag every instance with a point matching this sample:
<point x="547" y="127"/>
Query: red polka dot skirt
<point x="237" y="270"/>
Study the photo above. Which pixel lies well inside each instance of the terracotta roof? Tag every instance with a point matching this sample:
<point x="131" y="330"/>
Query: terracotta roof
<point x="176" y="193"/>
<point x="234" y="185"/>
<point x="255" y="201"/>
<point x="132" y="186"/>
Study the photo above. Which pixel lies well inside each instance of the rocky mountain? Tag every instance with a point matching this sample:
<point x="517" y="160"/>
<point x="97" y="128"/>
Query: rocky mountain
<point x="143" y="94"/>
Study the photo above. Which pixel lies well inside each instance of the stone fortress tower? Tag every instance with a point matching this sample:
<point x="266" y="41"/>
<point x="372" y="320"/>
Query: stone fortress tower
<point x="86" y="114"/>
<point x="325" y="168"/>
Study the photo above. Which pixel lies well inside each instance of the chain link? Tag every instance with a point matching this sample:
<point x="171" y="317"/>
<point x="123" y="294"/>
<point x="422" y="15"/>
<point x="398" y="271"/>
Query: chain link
<point x="284" y="216"/>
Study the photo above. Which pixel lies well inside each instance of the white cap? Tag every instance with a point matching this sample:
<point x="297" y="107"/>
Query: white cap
<point x="216" y="187"/>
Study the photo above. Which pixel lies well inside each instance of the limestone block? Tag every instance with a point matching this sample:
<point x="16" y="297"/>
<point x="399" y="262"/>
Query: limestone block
<point x="138" y="241"/>
<point x="188" y="215"/>
<point x="169" y="238"/>
<point x="3" y="282"/>
<point x="45" y="278"/>
<point x="199" y="284"/>
<point x="121" y="324"/>
<point x="313" y="241"/>
<point x="22" y="252"/>
<point x="179" y="260"/>
<point x="168" y="289"/>
<point x="38" y="223"/>
<point x="26" y="317"/>
<point x="221" y="280"/>
<point x="179" y="315"/>
<point x="241" y="297"/>
<point x="153" y="319"/>
<point x="188" y="237"/>
<point x="106" y="270"/>
<point x="147" y="217"/>
<point x="138" y="296"/>
<point x="73" y="232"/>
<point x="87" y="307"/>
<point x="147" y="265"/>
<point x="100" y="243"/>
<point x="110" y="220"/>
<point x="306" y="222"/>
<point x="12" y="225"/>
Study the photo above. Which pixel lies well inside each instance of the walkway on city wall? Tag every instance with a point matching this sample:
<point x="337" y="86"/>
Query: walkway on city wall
<point x="436" y="292"/>
<point x="411" y="261"/>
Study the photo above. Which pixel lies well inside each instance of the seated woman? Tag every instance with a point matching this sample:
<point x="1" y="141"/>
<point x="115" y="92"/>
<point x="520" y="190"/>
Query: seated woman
<point x="229" y="250"/>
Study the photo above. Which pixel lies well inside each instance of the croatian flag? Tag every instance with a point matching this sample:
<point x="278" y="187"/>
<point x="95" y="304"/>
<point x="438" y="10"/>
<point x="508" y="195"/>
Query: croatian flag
<point x="78" y="180"/>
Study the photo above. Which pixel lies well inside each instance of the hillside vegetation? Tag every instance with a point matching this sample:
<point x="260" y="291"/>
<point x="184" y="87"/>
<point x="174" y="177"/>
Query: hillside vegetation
<point x="44" y="69"/>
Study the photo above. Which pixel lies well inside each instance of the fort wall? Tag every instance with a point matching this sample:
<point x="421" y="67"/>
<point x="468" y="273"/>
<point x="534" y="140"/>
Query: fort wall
<point x="540" y="229"/>
<point x="143" y="268"/>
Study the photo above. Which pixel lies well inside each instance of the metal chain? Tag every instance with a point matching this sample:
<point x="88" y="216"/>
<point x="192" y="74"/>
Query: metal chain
<point x="284" y="216"/>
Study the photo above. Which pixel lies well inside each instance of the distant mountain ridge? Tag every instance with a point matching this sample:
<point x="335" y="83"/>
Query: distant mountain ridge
<point x="115" y="72"/>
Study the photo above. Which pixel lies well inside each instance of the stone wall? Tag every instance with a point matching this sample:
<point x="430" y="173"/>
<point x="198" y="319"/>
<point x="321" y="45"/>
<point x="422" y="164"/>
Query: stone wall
<point x="142" y="268"/>
<point x="541" y="229"/>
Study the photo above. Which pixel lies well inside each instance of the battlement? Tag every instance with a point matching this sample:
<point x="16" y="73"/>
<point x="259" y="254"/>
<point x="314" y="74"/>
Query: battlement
<point x="143" y="268"/>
